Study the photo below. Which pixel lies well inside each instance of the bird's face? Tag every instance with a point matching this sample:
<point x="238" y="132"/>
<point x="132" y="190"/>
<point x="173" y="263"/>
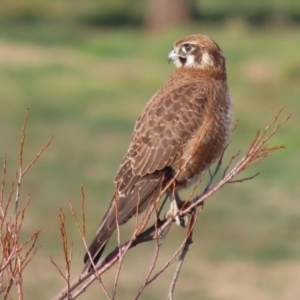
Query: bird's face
<point x="198" y="51"/>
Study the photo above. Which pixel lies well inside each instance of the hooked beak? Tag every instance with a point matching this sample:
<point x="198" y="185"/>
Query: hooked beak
<point x="172" y="56"/>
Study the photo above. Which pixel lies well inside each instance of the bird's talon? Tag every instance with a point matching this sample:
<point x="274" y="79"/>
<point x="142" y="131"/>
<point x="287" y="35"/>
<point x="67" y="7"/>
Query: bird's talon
<point x="179" y="220"/>
<point x="186" y="219"/>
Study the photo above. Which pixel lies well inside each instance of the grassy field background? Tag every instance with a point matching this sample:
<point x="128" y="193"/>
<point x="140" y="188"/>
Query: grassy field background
<point x="86" y="87"/>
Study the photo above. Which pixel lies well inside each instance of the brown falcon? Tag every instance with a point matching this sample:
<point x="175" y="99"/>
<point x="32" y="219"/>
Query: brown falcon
<point x="182" y="130"/>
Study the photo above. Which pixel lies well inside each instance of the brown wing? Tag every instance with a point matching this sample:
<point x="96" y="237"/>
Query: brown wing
<point x="168" y="121"/>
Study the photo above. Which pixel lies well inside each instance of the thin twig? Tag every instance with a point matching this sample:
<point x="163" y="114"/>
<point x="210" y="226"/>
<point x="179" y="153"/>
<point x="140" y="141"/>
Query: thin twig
<point x="178" y="268"/>
<point x="44" y="147"/>
<point x="82" y="235"/>
<point x="244" y="179"/>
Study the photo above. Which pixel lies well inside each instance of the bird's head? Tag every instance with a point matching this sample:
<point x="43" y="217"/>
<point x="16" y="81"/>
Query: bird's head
<point x="198" y="51"/>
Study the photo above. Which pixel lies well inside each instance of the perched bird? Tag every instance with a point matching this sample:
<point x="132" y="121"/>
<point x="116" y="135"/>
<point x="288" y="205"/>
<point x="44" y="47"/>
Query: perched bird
<point x="182" y="130"/>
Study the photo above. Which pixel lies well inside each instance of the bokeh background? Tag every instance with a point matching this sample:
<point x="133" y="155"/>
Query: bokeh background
<point x="85" y="69"/>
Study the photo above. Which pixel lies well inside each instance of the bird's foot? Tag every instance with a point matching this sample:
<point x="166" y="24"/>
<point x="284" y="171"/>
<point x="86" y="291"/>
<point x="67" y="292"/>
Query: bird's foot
<point x="173" y="213"/>
<point x="185" y="219"/>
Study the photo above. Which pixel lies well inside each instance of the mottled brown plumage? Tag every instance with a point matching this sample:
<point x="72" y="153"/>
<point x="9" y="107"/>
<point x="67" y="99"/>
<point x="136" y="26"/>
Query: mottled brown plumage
<point x="183" y="129"/>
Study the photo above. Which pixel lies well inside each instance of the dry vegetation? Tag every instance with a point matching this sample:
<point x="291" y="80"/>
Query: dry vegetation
<point x="16" y="255"/>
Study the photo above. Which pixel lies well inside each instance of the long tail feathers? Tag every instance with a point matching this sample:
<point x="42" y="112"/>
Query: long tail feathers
<point x="143" y="193"/>
<point x="95" y="251"/>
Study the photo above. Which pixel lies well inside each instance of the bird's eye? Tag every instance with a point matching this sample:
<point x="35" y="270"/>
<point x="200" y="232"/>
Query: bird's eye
<point x="187" y="48"/>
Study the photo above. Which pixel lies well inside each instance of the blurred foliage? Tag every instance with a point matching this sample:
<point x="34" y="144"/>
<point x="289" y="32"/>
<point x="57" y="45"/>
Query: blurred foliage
<point x="104" y="12"/>
<point x="256" y="11"/>
<point x="131" y="12"/>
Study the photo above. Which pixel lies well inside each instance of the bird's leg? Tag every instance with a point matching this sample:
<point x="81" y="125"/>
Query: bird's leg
<point x="175" y="205"/>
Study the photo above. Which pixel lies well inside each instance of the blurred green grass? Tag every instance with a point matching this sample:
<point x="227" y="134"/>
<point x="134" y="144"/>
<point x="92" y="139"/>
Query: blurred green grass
<point x="87" y="87"/>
